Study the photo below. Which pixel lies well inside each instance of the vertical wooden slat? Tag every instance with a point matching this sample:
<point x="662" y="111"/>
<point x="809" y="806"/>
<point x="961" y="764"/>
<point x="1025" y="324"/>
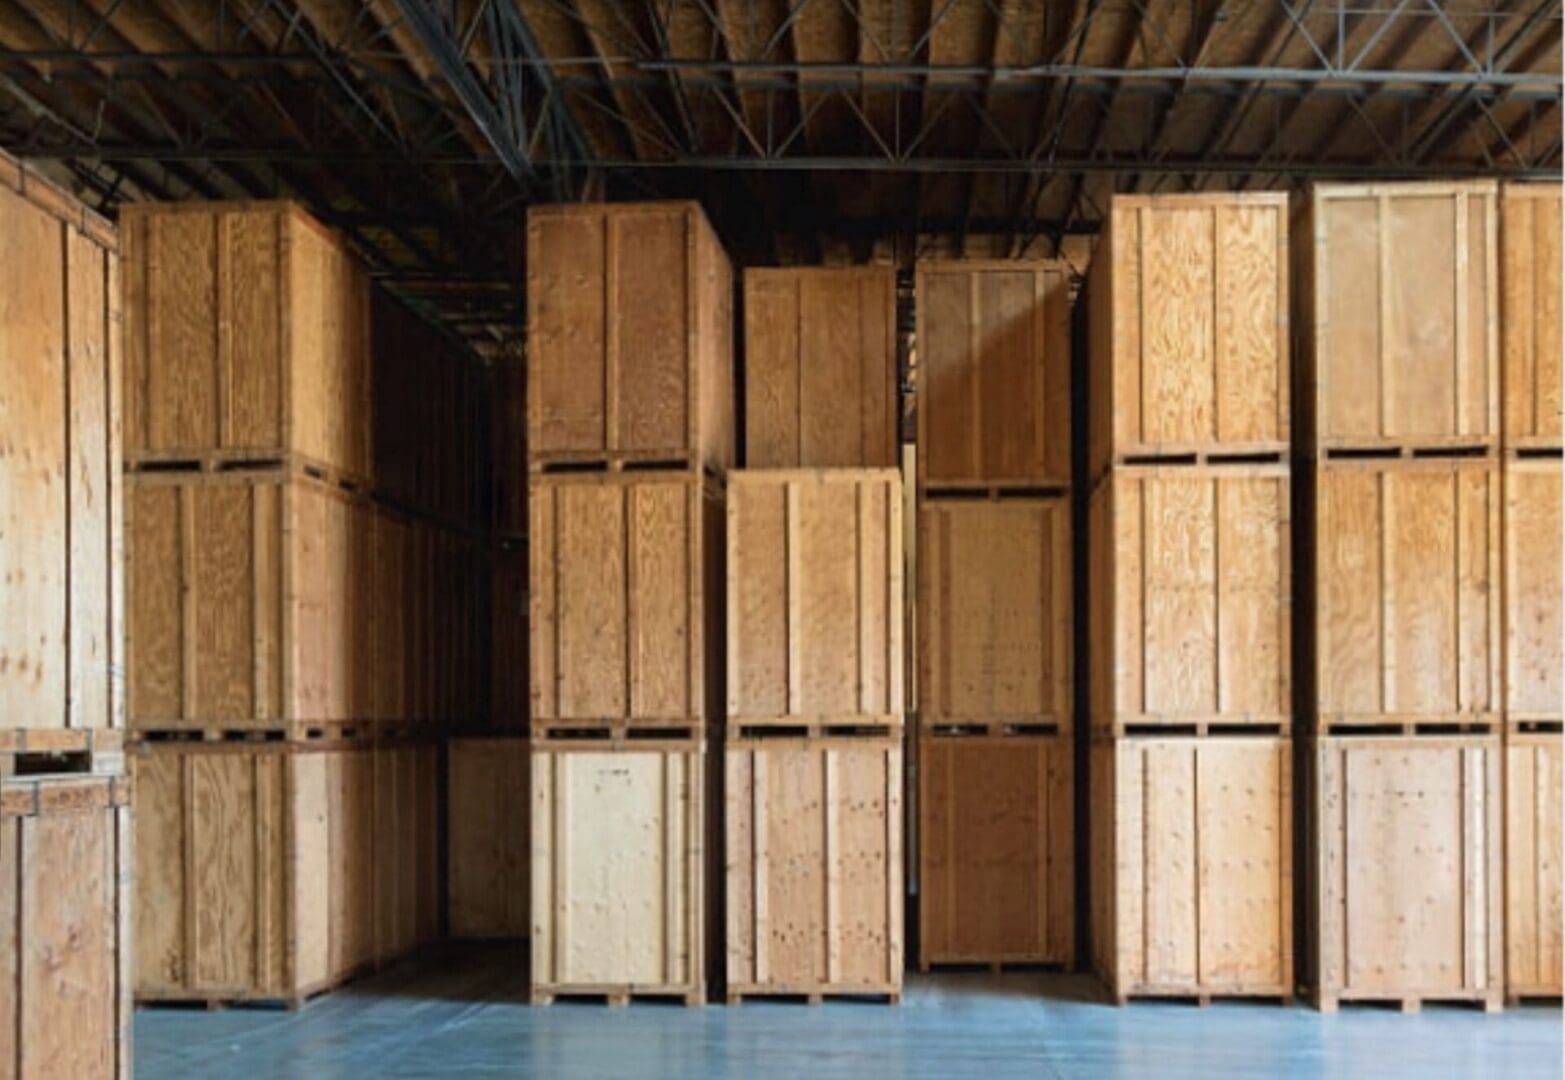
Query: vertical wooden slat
<point x="791" y="543"/>
<point x="864" y="582"/>
<point x="830" y="851"/>
<point x="974" y="372"/>
<point x="562" y="866"/>
<point x="1387" y="387"/>
<point x="188" y="593"/>
<point x="673" y="864"/>
<point x="1460" y="358"/>
<point x="758" y="843"/>
<point x="1388" y="674"/>
<point x="611" y="343"/>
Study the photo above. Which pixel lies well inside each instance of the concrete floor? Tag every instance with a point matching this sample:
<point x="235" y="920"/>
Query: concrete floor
<point x="463" y="1012"/>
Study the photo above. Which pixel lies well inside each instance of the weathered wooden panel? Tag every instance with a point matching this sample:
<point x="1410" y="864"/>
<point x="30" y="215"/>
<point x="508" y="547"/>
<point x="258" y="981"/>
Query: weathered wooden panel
<point x="488" y="802"/>
<point x="1534" y="912"/>
<point x="815" y="611"/>
<point x="813" y="830"/>
<point x="1405" y="894"/>
<point x="618" y="875"/>
<point x="1190" y="597"/>
<point x="820" y="367"/>
<point x="993" y="373"/>
<point x="1192" y="866"/>
<point x="1533" y="588"/>
<point x="630" y="335"/>
<point x="1530" y="262"/>
<point x="406" y="839"/>
<point x="1189" y="327"/>
<point x="996" y="850"/>
<point x="994" y="613"/>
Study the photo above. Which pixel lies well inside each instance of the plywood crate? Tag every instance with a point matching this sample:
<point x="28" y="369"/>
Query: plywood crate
<point x="487" y="825"/>
<point x="813" y="831"/>
<point x="629" y="336"/>
<point x="1404" y="620"/>
<point x="1190" y="598"/>
<point x="508" y="690"/>
<point x="65" y="943"/>
<point x="815" y="604"/>
<point x="994" y="614"/>
<point x="62" y="622"/>
<point x="1399" y="316"/>
<point x="996" y="859"/>
<point x="1533" y="530"/>
<point x="1534" y="911"/>
<point x="619" y="870"/>
<point x="993" y="341"/>
<point x="1530" y="260"/>
<point x="508" y="434"/>
<point x="1192" y="866"/>
<point x="246" y="337"/>
<point x="625" y="598"/>
<point x="820" y="367"/>
<point x="1188" y="310"/>
<point x="1404" y="900"/>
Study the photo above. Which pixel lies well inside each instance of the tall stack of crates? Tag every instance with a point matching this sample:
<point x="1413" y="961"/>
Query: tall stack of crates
<point x="65" y="834"/>
<point x="996" y="876"/>
<point x="1397" y="429"/>
<point x="630" y="435"/>
<point x="1191" y="762"/>
<point x="1531" y="444"/>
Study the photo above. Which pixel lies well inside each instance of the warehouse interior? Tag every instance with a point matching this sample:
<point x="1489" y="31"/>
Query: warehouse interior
<point x="743" y="537"/>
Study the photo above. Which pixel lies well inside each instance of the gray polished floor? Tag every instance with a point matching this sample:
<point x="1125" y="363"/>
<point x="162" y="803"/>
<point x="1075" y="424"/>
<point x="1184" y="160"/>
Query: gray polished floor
<point x="463" y="1013"/>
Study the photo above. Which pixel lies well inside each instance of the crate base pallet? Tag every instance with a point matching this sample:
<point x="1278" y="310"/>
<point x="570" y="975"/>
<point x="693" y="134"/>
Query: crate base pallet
<point x="1192" y="867"/>
<point x="1534" y="898"/>
<point x="810" y="994"/>
<point x="618" y="870"/>
<point x="618" y="997"/>
<point x="34" y="751"/>
<point x="1405" y="899"/>
<point x="996" y="850"/>
<point x="65" y="880"/>
<point x="487" y="807"/>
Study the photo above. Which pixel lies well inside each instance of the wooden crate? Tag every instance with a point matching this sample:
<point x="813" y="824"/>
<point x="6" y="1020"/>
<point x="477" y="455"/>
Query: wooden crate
<point x="1405" y="612"/>
<point x="1188" y="312"/>
<point x="994" y="614"/>
<point x="629" y="336"/>
<point x="618" y="870"/>
<point x="1399" y="316"/>
<point x="996" y="859"/>
<point x="62" y="621"/>
<point x="246" y="337"/>
<point x="1534" y="912"/>
<point x="65" y="943"/>
<point x="1192" y="866"/>
<point x="508" y="493"/>
<point x="993" y="344"/>
<point x="820" y="367"/>
<point x="1404" y="897"/>
<point x="1533" y="587"/>
<point x="405" y="893"/>
<point x="508" y="694"/>
<point x="815" y="612"/>
<point x="1530" y="313"/>
<point x="813" y="831"/>
<point x="1190" y="598"/>
<point x="625" y="600"/>
<point x="487" y="812"/>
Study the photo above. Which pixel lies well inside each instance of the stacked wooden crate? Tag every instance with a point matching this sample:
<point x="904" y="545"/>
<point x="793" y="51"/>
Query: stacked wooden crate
<point x="65" y="844"/>
<point x="630" y="432"/>
<point x="1531" y="476"/>
<point x="994" y="625"/>
<point x="1191" y="757"/>
<point x="1397" y="426"/>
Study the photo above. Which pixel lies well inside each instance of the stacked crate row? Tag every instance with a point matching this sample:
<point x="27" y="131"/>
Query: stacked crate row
<point x="630" y="432"/>
<point x="65" y="842"/>
<point x="1191" y="842"/>
<point x="996" y="818"/>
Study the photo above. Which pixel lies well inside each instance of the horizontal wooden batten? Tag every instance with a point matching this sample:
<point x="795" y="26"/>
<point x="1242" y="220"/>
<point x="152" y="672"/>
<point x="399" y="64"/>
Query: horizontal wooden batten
<point x="488" y="802"/>
<point x="1530" y="269"/>
<point x="813" y="831"/>
<point x="1189" y="337"/>
<point x="996" y="855"/>
<point x="1192" y="866"/>
<point x="629" y="335"/>
<point x="1534" y="896"/>
<point x="820" y="367"/>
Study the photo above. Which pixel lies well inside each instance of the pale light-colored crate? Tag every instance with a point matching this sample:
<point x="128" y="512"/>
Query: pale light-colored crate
<point x="1533" y="588"/>
<point x="65" y="943"/>
<point x="993" y="373"/>
<point x="629" y="336"/>
<point x="1534" y="912"/>
<point x="618" y="870"/>
<point x="815" y="601"/>
<point x="994" y="613"/>
<point x="488" y="804"/>
<point x="62" y="621"/>
<point x="246" y="336"/>
<point x="820" y="367"/>
<point x="1189" y="337"/>
<point x="996" y="856"/>
<point x="813" y="830"/>
<point x="1192" y="866"/>
<point x="1530" y="237"/>
<point x="1190" y="601"/>
<point x="1399" y="315"/>
<point x="1405" y="902"/>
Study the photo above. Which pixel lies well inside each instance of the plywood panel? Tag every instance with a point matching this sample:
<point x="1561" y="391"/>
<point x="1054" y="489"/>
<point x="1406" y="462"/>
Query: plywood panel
<point x="1530" y="264"/>
<point x="489" y="836"/>
<point x="1533" y="893"/>
<point x="1533" y="589"/>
